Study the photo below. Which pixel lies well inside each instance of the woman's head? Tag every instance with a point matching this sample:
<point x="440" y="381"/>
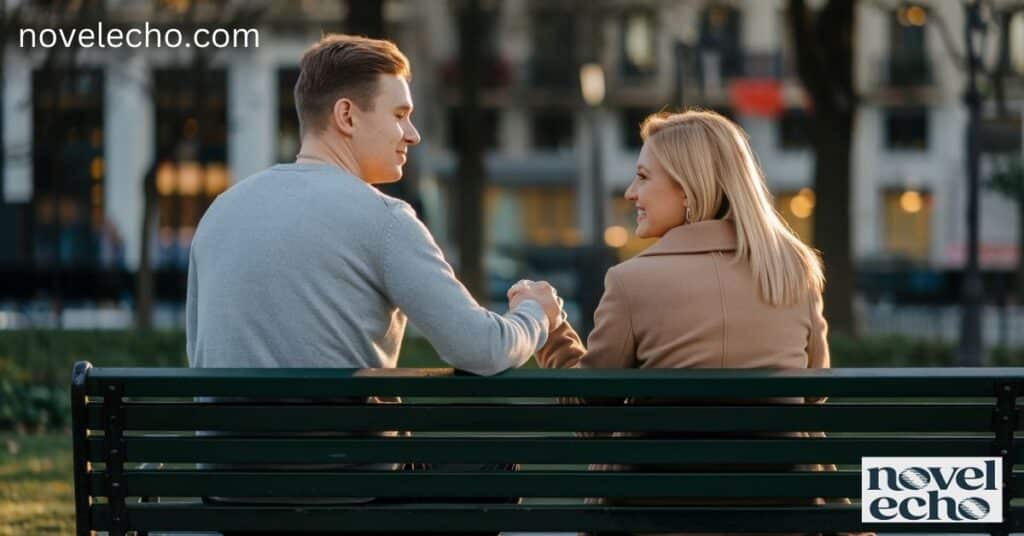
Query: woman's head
<point x="659" y="199"/>
<point x="709" y="163"/>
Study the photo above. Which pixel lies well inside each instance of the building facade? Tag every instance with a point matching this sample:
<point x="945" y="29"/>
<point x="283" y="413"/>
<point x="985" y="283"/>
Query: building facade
<point x="78" y="144"/>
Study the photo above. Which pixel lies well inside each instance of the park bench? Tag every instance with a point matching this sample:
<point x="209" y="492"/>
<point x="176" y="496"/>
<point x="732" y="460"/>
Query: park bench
<point x="128" y="419"/>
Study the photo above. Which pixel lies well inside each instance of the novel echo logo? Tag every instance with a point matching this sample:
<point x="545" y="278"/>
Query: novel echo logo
<point x="931" y="490"/>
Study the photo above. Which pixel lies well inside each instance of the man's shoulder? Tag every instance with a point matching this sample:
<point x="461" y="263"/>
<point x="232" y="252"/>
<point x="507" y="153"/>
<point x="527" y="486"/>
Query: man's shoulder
<point x="396" y="205"/>
<point x="399" y="211"/>
<point x="402" y="227"/>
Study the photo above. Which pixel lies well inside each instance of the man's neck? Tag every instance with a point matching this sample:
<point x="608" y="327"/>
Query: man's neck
<point x="315" y="151"/>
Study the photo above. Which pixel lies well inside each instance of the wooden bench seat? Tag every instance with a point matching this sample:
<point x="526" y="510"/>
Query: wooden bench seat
<point x="135" y="437"/>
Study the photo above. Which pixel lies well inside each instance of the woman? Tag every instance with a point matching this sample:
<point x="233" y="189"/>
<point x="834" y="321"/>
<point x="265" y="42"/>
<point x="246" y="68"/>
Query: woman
<point x="727" y="285"/>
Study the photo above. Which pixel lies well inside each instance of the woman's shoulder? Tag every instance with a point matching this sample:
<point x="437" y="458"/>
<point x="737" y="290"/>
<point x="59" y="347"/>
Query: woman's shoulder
<point x="648" y="265"/>
<point x="648" y="269"/>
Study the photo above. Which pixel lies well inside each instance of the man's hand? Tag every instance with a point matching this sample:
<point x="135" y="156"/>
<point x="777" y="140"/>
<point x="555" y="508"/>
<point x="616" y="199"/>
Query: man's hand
<point x="543" y="293"/>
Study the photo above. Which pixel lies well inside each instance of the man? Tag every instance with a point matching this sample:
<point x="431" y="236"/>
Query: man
<point x="308" y="265"/>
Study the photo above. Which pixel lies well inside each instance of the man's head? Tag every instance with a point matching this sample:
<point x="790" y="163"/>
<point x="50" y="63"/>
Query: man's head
<point x="354" y="91"/>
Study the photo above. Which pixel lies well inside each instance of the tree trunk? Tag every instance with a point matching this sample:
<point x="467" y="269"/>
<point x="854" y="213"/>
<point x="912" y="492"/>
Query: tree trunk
<point x="833" y="195"/>
<point x="1019" y="286"/>
<point x="144" y="278"/>
<point x="5" y="33"/>
<point x="365" y="17"/>
<point x="824" y="43"/>
<point x="470" y="178"/>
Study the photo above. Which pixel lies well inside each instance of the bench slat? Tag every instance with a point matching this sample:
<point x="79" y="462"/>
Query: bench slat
<point x="526" y="518"/>
<point x="526" y="418"/>
<point x="175" y="483"/>
<point x="536" y="450"/>
<point x="860" y="382"/>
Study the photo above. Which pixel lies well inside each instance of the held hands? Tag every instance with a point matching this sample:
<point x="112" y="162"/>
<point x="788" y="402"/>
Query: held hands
<point x="543" y="293"/>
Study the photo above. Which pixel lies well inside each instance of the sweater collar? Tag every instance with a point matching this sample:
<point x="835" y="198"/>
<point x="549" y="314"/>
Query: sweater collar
<point x="700" y="237"/>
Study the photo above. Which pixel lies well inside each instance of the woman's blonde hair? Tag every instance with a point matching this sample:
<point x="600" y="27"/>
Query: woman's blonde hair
<point x="710" y="157"/>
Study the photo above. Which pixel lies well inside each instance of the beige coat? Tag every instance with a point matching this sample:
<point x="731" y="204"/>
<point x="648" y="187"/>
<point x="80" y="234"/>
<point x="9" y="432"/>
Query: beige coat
<point x="686" y="303"/>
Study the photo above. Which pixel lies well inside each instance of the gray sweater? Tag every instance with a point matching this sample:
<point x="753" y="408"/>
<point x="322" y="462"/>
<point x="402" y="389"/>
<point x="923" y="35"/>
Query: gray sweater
<point x="304" y="265"/>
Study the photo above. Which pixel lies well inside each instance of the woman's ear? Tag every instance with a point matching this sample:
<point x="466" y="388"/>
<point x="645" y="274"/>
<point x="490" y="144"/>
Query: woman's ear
<point x="343" y="116"/>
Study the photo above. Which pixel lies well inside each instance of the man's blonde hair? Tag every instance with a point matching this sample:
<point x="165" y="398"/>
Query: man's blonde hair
<point x="710" y="157"/>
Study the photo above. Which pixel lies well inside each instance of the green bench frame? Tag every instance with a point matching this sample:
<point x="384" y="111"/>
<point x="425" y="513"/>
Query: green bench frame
<point x="123" y="417"/>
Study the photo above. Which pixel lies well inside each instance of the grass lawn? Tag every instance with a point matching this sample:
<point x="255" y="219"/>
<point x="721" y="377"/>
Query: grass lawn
<point x="36" y="495"/>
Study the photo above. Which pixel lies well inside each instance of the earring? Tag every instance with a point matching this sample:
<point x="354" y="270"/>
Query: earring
<point x="688" y="217"/>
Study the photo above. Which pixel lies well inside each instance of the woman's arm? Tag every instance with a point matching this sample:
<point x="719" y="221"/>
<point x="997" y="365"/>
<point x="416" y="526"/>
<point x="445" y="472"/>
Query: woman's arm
<point x="817" y="342"/>
<point x="611" y="344"/>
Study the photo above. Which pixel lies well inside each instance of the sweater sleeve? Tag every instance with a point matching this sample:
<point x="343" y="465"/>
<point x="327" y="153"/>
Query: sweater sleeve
<point x="191" y="309"/>
<point x="419" y="281"/>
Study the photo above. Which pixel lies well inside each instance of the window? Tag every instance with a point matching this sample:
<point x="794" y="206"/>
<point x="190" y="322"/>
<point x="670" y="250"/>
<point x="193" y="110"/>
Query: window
<point x="638" y="51"/>
<point x="1017" y="43"/>
<point x="1001" y="134"/>
<point x="191" y="118"/>
<point x="631" y="120"/>
<point x="9" y="250"/>
<point x="68" y="166"/>
<point x="793" y="127"/>
<point x="531" y="215"/>
<point x="908" y="215"/>
<point x="493" y="70"/>
<point x="288" y="138"/>
<point x="719" y="44"/>
<point x="553" y="63"/>
<point x="553" y="130"/>
<point x="797" y="209"/>
<point x="908" y="57"/>
<point x="907" y="129"/>
<point x="488" y="128"/>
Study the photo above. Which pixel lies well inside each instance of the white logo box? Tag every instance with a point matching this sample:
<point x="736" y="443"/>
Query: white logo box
<point x="932" y="490"/>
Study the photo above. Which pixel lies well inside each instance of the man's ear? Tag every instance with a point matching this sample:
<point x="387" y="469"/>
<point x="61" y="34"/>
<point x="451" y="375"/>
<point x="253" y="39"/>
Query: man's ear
<point x="343" y="115"/>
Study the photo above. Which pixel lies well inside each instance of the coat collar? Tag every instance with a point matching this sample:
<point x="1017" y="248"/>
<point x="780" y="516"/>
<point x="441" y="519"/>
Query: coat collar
<point x="700" y="237"/>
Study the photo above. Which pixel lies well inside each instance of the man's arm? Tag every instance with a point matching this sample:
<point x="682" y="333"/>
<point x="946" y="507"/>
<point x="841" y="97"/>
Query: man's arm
<point x="422" y="284"/>
<point x="191" y="309"/>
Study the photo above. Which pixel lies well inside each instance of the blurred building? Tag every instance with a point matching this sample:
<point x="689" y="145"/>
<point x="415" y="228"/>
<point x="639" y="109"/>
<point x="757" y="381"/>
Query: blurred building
<point x="74" y="221"/>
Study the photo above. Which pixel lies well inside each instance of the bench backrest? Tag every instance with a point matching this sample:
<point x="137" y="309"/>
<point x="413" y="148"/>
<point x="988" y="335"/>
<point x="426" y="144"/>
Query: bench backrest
<point x="698" y="436"/>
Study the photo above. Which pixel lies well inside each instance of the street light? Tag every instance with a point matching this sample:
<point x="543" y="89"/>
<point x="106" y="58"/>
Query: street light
<point x="973" y="289"/>
<point x="595" y="259"/>
<point x="592" y="83"/>
<point x="592" y="87"/>
<point x="975" y="33"/>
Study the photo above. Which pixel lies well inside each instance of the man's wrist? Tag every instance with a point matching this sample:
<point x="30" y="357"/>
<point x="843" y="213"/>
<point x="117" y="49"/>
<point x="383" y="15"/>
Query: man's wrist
<point x="536" y="307"/>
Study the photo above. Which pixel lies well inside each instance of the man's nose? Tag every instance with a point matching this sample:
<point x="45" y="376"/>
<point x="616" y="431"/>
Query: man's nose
<point x="412" y="136"/>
